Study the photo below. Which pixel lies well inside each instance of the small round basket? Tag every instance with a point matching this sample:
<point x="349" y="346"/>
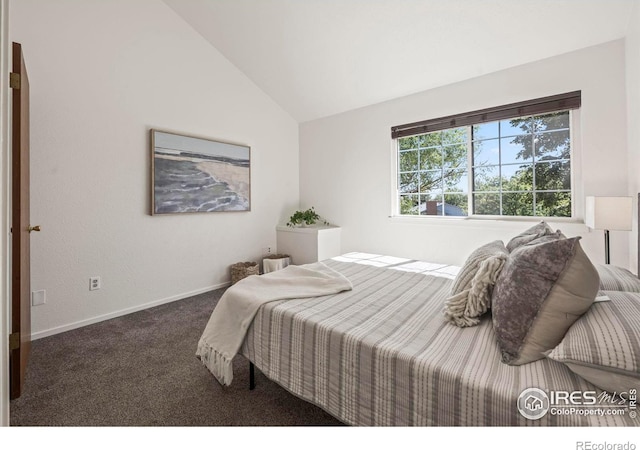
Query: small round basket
<point x="275" y="262"/>
<point x="277" y="256"/>
<point x="242" y="270"/>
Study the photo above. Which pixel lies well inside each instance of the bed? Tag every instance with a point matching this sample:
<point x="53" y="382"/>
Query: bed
<point x="383" y="354"/>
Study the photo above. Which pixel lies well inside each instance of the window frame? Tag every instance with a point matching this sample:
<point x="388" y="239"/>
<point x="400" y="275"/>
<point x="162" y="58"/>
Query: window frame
<point x="570" y="102"/>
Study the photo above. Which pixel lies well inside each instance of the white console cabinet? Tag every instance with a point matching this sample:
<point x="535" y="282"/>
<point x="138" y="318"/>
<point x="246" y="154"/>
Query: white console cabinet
<point x="308" y="244"/>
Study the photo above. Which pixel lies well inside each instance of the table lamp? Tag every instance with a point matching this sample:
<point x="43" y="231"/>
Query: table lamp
<point x="608" y="213"/>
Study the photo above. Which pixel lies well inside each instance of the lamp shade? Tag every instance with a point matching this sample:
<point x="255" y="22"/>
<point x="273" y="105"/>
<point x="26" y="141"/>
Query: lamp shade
<point x="609" y="213"/>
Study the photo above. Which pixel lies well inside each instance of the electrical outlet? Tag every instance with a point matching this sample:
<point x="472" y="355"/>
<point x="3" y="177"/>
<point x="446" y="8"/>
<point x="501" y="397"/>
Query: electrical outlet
<point x="94" y="283"/>
<point x="38" y="297"/>
<point x="266" y="251"/>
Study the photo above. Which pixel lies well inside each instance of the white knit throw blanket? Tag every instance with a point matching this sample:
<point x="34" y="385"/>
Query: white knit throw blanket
<point x="465" y="308"/>
<point x="228" y="324"/>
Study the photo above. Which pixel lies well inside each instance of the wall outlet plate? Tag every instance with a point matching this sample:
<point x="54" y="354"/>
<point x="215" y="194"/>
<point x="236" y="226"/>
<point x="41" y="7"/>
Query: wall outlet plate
<point x="94" y="283"/>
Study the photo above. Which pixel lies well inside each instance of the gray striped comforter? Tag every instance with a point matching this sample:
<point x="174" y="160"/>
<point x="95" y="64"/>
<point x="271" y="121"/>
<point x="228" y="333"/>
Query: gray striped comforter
<point x="383" y="354"/>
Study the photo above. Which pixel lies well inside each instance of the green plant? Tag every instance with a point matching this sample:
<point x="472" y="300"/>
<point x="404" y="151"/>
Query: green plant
<point x="308" y="217"/>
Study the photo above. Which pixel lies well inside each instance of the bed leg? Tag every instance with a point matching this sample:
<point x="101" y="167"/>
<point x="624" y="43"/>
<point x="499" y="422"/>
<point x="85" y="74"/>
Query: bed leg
<point x="252" y="376"/>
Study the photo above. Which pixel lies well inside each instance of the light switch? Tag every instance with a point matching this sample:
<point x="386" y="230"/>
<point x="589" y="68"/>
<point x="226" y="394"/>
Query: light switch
<point x="38" y="297"/>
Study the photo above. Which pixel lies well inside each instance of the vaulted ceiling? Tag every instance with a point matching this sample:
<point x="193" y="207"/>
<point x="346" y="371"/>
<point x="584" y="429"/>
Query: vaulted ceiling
<point x="321" y="57"/>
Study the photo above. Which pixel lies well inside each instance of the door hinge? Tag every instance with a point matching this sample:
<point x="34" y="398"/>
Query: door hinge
<point x="14" y="341"/>
<point x="14" y="80"/>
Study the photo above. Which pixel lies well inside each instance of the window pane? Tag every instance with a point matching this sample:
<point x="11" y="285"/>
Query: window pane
<point x="408" y="161"/>
<point x="485" y="131"/>
<point x="456" y="205"/>
<point x="454" y="136"/>
<point x="515" y="127"/>
<point x="554" y="121"/>
<point x="486" y="152"/>
<point x="455" y="156"/>
<point x="516" y="149"/>
<point x="553" y="204"/>
<point x="517" y="204"/>
<point x="432" y="139"/>
<point x="553" y="145"/>
<point x="486" y="178"/>
<point x="431" y="158"/>
<point x="553" y="176"/>
<point x="488" y="204"/>
<point x="456" y="181"/>
<point x="409" y="204"/>
<point x="431" y="181"/>
<point x="408" y="143"/>
<point x="429" y="205"/>
<point x="409" y="182"/>
<point x="517" y="177"/>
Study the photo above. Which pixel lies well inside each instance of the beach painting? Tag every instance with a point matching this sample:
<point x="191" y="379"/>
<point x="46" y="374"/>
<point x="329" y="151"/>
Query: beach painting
<point x="191" y="175"/>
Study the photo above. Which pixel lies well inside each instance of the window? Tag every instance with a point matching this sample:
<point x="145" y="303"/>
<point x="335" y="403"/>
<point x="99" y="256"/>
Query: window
<point x="501" y="162"/>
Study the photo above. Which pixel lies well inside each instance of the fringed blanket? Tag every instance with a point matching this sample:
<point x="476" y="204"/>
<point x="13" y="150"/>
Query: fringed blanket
<point x="226" y="329"/>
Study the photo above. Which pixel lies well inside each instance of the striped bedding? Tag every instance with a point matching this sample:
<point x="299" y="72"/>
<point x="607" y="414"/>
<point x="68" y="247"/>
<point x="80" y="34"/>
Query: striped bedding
<point x="383" y="354"/>
<point x="614" y="278"/>
<point x="604" y="345"/>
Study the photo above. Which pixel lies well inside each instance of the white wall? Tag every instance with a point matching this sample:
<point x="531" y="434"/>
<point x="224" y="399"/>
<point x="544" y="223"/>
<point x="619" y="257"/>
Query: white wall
<point x="4" y="206"/>
<point x="102" y="74"/>
<point x="345" y="160"/>
<point x="633" y="119"/>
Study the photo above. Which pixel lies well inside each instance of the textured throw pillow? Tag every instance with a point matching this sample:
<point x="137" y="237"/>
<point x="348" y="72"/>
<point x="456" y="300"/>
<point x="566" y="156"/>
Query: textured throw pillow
<point x="544" y="287"/>
<point x="472" y="288"/>
<point x="603" y="346"/>
<point x="613" y="278"/>
<point x="535" y="232"/>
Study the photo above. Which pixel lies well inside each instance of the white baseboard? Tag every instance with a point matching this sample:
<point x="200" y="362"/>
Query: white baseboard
<point x="123" y="312"/>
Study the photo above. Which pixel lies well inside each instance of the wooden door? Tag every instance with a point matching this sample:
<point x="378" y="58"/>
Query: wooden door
<point x="20" y="339"/>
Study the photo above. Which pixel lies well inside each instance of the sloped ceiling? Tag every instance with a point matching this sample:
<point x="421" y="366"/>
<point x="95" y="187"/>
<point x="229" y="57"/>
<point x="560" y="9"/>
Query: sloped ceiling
<point x="321" y="57"/>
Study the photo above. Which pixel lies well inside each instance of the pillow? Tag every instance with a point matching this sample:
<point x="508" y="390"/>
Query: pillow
<point x="544" y="287"/>
<point x="613" y="278"/>
<point x="535" y="232"/>
<point x="603" y="346"/>
<point x="472" y="287"/>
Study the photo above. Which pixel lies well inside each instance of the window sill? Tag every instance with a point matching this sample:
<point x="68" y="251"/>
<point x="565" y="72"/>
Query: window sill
<point x="506" y="222"/>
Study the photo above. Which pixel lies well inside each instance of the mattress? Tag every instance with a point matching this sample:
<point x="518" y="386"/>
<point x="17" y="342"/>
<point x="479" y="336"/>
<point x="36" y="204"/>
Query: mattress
<point x="383" y="354"/>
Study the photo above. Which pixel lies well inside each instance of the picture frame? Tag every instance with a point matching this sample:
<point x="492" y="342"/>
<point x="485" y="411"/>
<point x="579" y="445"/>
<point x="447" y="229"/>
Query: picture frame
<point x="192" y="174"/>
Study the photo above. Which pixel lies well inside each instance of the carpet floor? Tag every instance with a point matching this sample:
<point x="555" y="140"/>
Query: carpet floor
<point x="141" y="370"/>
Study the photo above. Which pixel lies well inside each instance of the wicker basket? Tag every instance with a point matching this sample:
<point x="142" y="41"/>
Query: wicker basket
<point x="242" y="270"/>
<point x="275" y="262"/>
<point x="277" y="256"/>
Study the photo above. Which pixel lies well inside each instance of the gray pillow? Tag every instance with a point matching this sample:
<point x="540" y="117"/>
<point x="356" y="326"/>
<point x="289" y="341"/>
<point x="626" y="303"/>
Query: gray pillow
<point x="544" y="287"/>
<point x="535" y="232"/>
<point x="603" y="346"/>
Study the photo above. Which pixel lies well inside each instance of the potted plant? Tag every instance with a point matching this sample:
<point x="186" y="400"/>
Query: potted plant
<point x="305" y="218"/>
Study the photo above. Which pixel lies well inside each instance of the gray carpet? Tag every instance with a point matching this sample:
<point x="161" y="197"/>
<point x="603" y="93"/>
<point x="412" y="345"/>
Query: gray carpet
<point x="141" y="370"/>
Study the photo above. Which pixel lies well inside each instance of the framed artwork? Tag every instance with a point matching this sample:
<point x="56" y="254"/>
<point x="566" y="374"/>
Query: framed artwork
<point x="192" y="174"/>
